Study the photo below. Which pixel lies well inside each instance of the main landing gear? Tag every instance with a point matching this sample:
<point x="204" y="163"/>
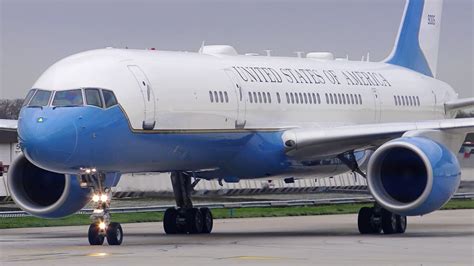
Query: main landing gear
<point x="377" y="219"/>
<point x="102" y="227"/>
<point x="186" y="219"/>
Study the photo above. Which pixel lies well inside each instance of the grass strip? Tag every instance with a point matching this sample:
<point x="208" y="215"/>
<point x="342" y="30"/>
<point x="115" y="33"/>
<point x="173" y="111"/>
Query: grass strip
<point x="140" y="217"/>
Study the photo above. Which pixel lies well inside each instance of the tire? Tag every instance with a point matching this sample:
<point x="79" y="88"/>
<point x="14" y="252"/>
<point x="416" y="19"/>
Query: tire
<point x="389" y="222"/>
<point x="401" y="224"/>
<point x="114" y="234"/>
<point x="207" y="220"/>
<point x="194" y="221"/>
<point x="363" y="221"/>
<point x="169" y="221"/>
<point x="95" y="238"/>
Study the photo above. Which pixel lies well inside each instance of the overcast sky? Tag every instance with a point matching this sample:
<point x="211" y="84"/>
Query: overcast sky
<point x="35" y="33"/>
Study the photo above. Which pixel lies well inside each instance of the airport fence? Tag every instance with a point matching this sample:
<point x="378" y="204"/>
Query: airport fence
<point x="235" y="205"/>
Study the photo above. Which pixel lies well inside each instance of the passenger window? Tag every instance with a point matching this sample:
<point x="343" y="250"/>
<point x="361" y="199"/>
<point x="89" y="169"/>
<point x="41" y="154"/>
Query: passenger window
<point x="305" y="98"/>
<point x="310" y="99"/>
<point x="292" y="98"/>
<point x="260" y="97"/>
<point x="28" y="97"/>
<point x="226" y="97"/>
<point x="330" y="95"/>
<point x="109" y="98"/>
<point x="327" y="98"/>
<point x="297" y="99"/>
<point x="264" y="97"/>
<point x="255" y="99"/>
<point x="360" y="99"/>
<point x="319" y="98"/>
<point x="221" y="97"/>
<point x="269" y="97"/>
<point x="287" y="98"/>
<point x="278" y="97"/>
<point x="352" y="98"/>
<point x="250" y="97"/>
<point x="41" y="98"/>
<point x="93" y="97"/>
<point x="395" y="100"/>
<point x="210" y="97"/>
<point x="418" y="100"/>
<point x="344" y="98"/>
<point x="301" y="98"/>
<point x="216" y="97"/>
<point x="68" y="98"/>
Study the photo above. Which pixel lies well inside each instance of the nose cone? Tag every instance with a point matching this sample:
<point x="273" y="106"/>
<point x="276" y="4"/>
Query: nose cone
<point x="47" y="139"/>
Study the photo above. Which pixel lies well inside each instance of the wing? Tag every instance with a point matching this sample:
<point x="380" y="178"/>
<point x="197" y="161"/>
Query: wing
<point x="8" y="124"/>
<point x="326" y="142"/>
<point x="8" y="130"/>
<point x="459" y="104"/>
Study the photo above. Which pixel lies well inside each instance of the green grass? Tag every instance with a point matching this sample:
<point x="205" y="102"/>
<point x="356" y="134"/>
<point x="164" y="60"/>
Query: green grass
<point x="82" y="219"/>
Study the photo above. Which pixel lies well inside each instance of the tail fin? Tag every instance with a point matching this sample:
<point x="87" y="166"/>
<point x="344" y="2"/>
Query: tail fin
<point x="417" y="43"/>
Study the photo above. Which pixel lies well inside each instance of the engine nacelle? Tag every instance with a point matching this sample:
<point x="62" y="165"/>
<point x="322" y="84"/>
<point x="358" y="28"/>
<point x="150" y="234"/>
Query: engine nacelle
<point x="43" y="193"/>
<point x="413" y="176"/>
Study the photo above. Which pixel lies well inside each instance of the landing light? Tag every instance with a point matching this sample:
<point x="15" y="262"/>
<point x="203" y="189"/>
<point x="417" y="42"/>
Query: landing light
<point x="95" y="198"/>
<point x="103" y="197"/>
<point x="102" y="226"/>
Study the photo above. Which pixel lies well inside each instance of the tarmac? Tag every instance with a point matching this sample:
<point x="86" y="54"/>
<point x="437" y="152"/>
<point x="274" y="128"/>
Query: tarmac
<point x="440" y="238"/>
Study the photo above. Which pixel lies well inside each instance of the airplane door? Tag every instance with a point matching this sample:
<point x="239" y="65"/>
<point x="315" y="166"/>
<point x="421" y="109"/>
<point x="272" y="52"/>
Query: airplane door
<point x="148" y="95"/>
<point x="377" y="106"/>
<point x="240" y="120"/>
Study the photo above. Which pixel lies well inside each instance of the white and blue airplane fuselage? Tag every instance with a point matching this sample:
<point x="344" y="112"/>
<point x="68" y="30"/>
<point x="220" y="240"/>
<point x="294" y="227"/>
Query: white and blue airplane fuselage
<point x="218" y="115"/>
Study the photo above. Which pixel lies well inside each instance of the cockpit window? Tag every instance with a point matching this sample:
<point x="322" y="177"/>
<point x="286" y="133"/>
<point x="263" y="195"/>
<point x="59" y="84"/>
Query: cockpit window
<point x="68" y="98"/>
<point x="93" y="97"/>
<point x="109" y="98"/>
<point x="41" y="98"/>
<point x="28" y="97"/>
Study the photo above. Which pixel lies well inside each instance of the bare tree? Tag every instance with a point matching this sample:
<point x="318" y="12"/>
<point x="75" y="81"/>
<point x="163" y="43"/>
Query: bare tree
<point x="10" y="109"/>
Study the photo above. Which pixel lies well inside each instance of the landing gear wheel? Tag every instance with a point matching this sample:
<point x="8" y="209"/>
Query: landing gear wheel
<point x="94" y="235"/>
<point x="401" y="224"/>
<point x="114" y="234"/>
<point x="207" y="220"/>
<point x="169" y="221"/>
<point x="194" y="221"/>
<point x="389" y="222"/>
<point x="366" y="221"/>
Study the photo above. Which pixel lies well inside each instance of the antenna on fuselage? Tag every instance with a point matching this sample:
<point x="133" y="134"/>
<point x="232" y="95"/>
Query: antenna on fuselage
<point x="201" y="49"/>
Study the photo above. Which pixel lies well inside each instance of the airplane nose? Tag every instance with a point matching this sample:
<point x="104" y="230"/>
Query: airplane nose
<point x="47" y="140"/>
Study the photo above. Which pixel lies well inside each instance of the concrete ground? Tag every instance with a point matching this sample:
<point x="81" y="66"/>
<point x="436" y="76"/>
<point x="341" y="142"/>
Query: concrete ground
<point x="441" y="238"/>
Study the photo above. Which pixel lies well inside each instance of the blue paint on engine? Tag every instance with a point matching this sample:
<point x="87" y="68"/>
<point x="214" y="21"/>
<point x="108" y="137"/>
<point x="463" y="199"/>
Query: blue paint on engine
<point x="446" y="174"/>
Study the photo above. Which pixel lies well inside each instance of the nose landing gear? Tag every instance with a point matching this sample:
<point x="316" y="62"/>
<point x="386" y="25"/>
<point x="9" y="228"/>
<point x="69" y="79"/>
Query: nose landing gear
<point x="186" y="219"/>
<point x="101" y="226"/>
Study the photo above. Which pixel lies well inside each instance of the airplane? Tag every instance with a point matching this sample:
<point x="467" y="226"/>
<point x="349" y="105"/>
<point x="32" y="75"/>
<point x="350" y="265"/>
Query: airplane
<point x="215" y="114"/>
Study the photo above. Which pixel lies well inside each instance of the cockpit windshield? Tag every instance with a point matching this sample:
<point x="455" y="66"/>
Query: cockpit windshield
<point x="41" y="98"/>
<point x="28" y="97"/>
<point x="68" y="98"/>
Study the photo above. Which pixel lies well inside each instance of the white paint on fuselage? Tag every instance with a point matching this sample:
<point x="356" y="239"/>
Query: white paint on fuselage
<point x="181" y="83"/>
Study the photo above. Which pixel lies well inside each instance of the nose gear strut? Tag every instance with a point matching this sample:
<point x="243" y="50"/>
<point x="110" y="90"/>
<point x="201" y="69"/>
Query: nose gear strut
<point x="101" y="227"/>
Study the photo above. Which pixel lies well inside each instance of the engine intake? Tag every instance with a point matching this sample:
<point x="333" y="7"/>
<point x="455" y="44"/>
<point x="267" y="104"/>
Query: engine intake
<point x="43" y="193"/>
<point x="413" y="176"/>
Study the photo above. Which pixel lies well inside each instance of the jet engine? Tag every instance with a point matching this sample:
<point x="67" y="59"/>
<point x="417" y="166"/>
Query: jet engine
<point x="43" y="193"/>
<point x="413" y="176"/>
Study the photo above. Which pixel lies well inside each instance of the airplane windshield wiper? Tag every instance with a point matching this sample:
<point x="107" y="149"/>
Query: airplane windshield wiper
<point x="35" y="106"/>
